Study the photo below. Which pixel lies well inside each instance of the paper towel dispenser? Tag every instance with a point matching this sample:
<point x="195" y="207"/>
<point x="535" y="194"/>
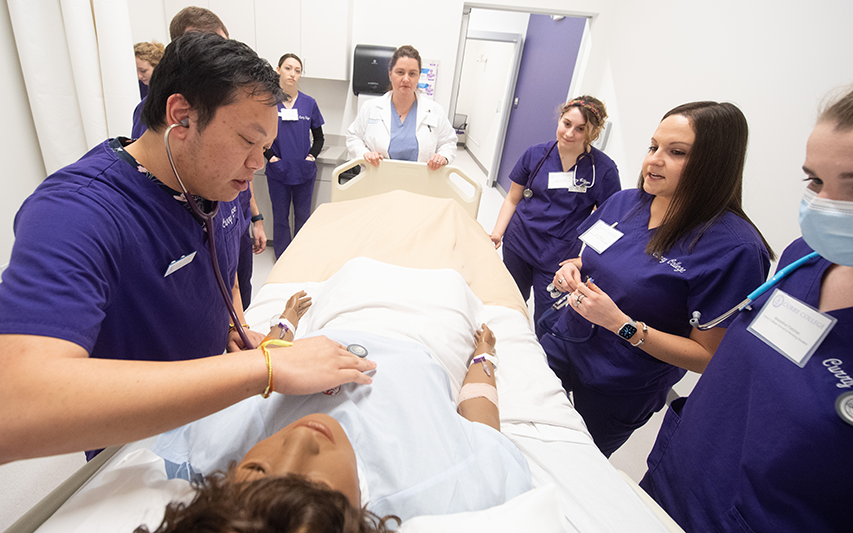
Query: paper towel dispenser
<point x="370" y="69"/>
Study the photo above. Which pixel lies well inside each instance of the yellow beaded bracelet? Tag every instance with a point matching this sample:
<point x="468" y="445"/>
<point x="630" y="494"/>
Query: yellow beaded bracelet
<point x="232" y="327"/>
<point x="274" y="342"/>
<point x="266" y="393"/>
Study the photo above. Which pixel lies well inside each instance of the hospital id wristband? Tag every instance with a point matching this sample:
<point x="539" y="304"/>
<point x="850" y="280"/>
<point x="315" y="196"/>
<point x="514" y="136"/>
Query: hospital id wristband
<point x="284" y="324"/>
<point x="483" y="357"/>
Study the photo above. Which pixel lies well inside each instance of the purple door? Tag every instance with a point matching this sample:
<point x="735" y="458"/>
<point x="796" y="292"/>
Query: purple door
<point x="544" y="76"/>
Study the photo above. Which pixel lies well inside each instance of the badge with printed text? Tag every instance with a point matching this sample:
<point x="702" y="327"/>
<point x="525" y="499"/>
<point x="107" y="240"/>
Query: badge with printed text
<point x="601" y="236"/>
<point x="289" y="114"/>
<point x="791" y="327"/>
<point x="565" y="180"/>
<point x="178" y="264"/>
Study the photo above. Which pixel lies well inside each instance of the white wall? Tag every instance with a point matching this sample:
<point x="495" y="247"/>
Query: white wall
<point x="23" y="167"/>
<point x="774" y="59"/>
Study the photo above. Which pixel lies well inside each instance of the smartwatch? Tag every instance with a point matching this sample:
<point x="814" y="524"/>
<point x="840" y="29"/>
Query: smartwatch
<point x="628" y="329"/>
<point x="257" y="218"/>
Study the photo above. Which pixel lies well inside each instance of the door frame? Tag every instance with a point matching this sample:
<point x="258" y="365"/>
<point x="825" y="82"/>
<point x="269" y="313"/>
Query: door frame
<point x="580" y="66"/>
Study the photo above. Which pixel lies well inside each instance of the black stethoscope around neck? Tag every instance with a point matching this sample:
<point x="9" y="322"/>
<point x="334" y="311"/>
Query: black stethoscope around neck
<point x="211" y="241"/>
<point x="528" y="191"/>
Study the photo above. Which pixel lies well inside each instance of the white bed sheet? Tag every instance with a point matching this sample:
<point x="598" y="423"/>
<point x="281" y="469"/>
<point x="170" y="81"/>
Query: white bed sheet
<point x="535" y="413"/>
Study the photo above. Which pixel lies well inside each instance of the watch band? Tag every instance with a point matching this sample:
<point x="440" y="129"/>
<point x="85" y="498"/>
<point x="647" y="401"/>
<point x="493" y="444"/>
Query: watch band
<point x="641" y="341"/>
<point x="257" y="217"/>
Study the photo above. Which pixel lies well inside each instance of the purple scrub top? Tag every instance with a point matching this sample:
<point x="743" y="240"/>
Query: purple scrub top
<point x="543" y="229"/>
<point x="758" y="445"/>
<point x="725" y="265"/>
<point x="294" y="142"/>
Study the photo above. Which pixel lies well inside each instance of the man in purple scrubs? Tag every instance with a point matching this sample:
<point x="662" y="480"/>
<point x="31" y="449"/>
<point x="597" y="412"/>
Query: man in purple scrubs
<point x="111" y="323"/>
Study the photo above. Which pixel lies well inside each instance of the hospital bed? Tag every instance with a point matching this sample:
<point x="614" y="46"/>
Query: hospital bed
<point x="575" y="487"/>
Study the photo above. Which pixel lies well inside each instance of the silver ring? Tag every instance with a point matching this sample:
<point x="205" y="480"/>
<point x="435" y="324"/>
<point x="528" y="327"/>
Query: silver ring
<point x="562" y="280"/>
<point x="581" y="297"/>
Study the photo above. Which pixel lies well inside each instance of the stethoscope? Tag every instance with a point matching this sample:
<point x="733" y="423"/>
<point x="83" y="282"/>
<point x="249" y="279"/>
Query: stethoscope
<point x="556" y="306"/>
<point x="528" y="192"/>
<point x="211" y="242"/>
<point x="764" y="287"/>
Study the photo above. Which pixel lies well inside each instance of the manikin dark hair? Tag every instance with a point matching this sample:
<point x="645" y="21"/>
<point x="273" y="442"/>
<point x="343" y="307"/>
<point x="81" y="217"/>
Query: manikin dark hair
<point x="268" y="505"/>
<point x="711" y="182"/>
<point x="210" y="72"/>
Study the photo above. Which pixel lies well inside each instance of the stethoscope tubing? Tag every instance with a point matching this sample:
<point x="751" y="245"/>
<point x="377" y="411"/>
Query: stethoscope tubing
<point x="528" y="192"/>
<point x="764" y="287"/>
<point x="556" y="306"/>
<point x="211" y="244"/>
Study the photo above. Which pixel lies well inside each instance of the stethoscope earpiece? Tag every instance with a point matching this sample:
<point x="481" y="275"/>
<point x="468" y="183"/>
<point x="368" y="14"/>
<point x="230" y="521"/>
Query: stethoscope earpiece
<point x="185" y="123"/>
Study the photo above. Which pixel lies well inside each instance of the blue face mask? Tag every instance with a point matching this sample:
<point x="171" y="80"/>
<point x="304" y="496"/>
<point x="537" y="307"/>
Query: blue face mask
<point x="827" y="227"/>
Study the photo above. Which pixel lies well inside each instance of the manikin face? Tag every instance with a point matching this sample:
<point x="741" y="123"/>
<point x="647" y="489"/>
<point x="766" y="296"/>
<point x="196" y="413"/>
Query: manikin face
<point x="289" y="73"/>
<point x="829" y="162"/>
<point x="143" y="70"/>
<point x="668" y="153"/>
<point x="220" y="161"/>
<point x="404" y="76"/>
<point x="315" y="447"/>
<point x="571" y="128"/>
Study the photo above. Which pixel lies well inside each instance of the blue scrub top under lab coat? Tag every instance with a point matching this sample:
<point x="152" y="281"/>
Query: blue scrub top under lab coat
<point x="404" y="141"/>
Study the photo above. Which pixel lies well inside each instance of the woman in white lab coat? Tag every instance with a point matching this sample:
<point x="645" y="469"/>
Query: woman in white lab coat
<point x="403" y="124"/>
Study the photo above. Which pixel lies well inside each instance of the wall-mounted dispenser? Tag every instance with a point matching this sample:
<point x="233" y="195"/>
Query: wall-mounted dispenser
<point x="370" y="69"/>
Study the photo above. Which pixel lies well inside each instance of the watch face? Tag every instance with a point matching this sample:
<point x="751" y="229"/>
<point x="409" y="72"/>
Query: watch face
<point x="627" y="331"/>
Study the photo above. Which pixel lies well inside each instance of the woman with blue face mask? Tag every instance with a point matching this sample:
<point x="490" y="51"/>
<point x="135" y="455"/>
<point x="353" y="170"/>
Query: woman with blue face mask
<point x="764" y="441"/>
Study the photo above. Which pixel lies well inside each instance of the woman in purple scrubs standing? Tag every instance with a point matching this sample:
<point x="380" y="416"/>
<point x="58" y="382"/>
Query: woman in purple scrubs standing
<point x="678" y="243"/>
<point x="291" y="170"/>
<point x="555" y="186"/>
<point x="763" y="442"/>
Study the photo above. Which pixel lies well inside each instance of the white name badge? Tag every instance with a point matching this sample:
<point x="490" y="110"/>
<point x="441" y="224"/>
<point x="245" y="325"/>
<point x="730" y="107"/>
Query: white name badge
<point x="601" y="236"/>
<point x="791" y="327"/>
<point x="564" y="180"/>
<point x="178" y="264"/>
<point x="289" y="114"/>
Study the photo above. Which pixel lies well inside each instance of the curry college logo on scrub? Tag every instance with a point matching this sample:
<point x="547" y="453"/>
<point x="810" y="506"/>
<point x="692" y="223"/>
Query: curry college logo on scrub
<point x="230" y="219"/>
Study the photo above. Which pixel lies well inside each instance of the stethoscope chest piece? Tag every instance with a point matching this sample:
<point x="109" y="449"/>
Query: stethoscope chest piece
<point x="357" y="349"/>
<point x="844" y="407"/>
<point x="528" y="193"/>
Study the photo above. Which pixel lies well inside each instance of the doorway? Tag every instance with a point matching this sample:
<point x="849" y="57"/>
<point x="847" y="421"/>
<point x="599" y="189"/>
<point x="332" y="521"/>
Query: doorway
<point x="504" y="52"/>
